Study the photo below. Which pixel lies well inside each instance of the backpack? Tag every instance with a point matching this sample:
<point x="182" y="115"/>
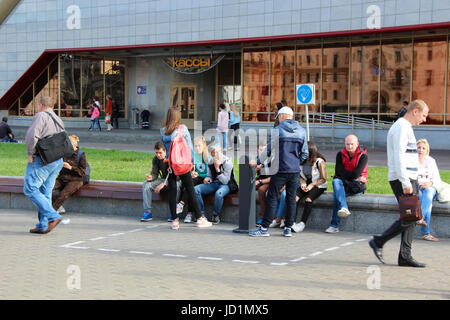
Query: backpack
<point x="180" y="155"/>
<point x="87" y="177"/>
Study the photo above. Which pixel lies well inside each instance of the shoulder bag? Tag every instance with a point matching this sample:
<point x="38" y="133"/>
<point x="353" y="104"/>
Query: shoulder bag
<point x="54" y="146"/>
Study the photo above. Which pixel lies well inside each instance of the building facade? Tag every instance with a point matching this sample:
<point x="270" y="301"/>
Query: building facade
<point x="364" y="57"/>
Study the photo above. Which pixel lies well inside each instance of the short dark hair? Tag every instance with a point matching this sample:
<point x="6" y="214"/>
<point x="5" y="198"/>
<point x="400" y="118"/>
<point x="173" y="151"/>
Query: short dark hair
<point x="5" y="119"/>
<point x="284" y="102"/>
<point x="405" y="103"/>
<point x="222" y="106"/>
<point x="159" y="145"/>
<point x="279" y="106"/>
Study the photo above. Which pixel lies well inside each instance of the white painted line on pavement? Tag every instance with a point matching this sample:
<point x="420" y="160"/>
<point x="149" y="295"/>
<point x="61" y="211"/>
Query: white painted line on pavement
<point x="315" y="253"/>
<point x="332" y="248"/>
<point x="244" y="261"/>
<point x="278" y="263"/>
<point x="210" y="258"/>
<point x="141" y="252"/>
<point x="299" y="259"/>
<point x="116" y="234"/>
<point x="72" y="245"/>
<point x="108" y="250"/>
<point x="346" y="244"/>
<point x="360" y="240"/>
<point x="135" y="230"/>
<point x="95" y="239"/>
<point x="174" y="255"/>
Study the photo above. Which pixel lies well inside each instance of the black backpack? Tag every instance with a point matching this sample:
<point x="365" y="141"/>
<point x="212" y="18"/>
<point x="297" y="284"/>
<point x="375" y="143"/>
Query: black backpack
<point x="87" y="177"/>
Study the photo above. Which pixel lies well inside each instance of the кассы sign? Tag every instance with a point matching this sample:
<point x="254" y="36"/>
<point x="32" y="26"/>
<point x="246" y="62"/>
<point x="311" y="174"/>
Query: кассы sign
<point x="197" y="64"/>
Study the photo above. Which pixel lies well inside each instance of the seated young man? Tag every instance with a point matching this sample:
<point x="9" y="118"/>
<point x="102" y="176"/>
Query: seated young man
<point x="220" y="172"/>
<point x="156" y="181"/>
<point x="350" y="179"/>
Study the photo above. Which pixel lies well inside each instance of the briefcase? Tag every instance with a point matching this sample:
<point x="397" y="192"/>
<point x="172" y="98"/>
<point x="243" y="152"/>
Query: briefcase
<point x="410" y="208"/>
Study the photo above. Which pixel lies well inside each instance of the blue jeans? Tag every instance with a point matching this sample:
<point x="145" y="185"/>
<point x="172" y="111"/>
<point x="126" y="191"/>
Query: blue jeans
<point x="39" y="181"/>
<point x="8" y="139"/>
<point x="222" y="136"/>
<point x="281" y="205"/>
<point x="339" y="200"/>
<point x="426" y="197"/>
<point x="93" y="122"/>
<point x="277" y="181"/>
<point x="220" y="190"/>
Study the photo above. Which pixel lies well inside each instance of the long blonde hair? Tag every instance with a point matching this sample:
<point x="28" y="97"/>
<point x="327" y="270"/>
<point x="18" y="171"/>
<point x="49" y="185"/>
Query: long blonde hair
<point x="427" y="145"/>
<point x="205" y="153"/>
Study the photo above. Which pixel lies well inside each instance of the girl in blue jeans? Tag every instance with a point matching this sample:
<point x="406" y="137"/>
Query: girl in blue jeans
<point x="219" y="174"/>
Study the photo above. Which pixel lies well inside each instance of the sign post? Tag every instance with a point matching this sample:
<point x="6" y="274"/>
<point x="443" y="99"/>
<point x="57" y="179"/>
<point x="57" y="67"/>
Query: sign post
<point x="306" y="94"/>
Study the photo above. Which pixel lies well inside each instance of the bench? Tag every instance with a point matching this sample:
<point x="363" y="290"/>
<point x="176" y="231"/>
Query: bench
<point x="110" y="190"/>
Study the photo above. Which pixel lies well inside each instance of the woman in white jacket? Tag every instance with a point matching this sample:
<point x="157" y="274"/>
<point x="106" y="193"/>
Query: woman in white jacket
<point x="428" y="175"/>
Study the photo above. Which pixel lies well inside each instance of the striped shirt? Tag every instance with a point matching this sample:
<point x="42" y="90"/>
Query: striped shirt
<point x="403" y="160"/>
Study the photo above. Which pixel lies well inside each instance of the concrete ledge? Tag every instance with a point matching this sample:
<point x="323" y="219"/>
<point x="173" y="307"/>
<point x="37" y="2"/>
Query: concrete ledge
<point x="370" y="213"/>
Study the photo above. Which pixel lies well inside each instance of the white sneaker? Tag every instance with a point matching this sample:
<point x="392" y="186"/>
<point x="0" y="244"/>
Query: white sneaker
<point x="202" y="222"/>
<point x="282" y="224"/>
<point x="188" y="218"/>
<point x="332" y="230"/>
<point x="274" y="224"/>
<point x="298" y="227"/>
<point x="61" y="210"/>
<point x="175" y="225"/>
<point x="343" y="213"/>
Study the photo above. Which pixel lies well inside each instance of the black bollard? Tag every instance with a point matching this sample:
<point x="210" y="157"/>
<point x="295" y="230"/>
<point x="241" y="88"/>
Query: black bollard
<point x="247" y="198"/>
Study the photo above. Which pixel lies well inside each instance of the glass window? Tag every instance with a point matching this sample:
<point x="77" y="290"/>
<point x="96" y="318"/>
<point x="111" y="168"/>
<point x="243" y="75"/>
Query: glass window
<point x="429" y="77"/>
<point x="14" y="110"/>
<point x="41" y="88"/>
<point x="256" y="86"/>
<point x="395" y="77"/>
<point x="335" y="67"/>
<point x="225" y="70"/>
<point x="308" y="71"/>
<point x="364" y="79"/>
<point x="282" y="84"/>
<point x="115" y="83"/>
<point x="70" y="76"/>
<point x="26" y="102"/>
<point x="92" y="83"/>
<point x="53" y="83"/>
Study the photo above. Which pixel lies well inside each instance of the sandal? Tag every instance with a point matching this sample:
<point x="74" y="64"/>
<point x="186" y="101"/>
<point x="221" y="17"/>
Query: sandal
<point x="429" y="237"/>
<point x="421" y="223"/>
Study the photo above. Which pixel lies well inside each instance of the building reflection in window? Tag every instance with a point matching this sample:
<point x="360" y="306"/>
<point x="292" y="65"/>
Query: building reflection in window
<point x="282" y="82"/>
<point x="309" y="62"/>
<point x="335" y="79"/>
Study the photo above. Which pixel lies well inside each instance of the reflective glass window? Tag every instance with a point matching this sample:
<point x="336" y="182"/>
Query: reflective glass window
<point x="282" y="84"/>
<point x="335" y="78"/>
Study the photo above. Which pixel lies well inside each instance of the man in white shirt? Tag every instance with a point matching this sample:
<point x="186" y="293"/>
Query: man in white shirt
<point x="403" y="163"/>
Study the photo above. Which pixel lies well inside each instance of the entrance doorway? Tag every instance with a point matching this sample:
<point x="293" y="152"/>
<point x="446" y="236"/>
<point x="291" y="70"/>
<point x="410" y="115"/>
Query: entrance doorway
<point x="184" y="97"/>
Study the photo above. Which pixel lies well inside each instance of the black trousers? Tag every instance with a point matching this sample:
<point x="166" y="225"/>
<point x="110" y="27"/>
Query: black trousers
<point x="405" y="228"/>
<point x="188" y="184"/>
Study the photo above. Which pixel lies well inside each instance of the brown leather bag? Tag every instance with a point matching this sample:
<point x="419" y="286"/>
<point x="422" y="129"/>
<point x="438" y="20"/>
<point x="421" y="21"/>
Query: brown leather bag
<point x="410" y="208"/>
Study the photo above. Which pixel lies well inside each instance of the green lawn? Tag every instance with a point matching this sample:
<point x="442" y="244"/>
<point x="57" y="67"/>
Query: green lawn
<point x="132" y="166"/>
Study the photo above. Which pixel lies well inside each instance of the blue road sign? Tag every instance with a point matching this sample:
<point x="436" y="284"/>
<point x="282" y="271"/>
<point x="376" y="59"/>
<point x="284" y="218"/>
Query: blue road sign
<point x="306" y="94"/>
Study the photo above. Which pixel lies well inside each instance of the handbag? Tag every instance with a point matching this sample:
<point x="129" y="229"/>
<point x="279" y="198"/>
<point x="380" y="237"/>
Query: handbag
<point x="353" y="186"/>
<point x="232" y="184"/>
<point x="410" y="209"/>
<point x="54" y="146"/>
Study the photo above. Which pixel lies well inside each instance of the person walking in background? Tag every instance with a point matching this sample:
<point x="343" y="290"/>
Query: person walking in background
<point x="70" y="178"/>
<point x="156" y="181"/>
<point x="428" y="175"/>
<point x="40" y="178"/>
<point x="402" y="110"/>
<point x="313" y="183"/>
<point x="222" y="126"/>
<point x="115" y="114"/>
<point x="291" y="149"/>
<point x="95" y="116"/>
<point x="403" y="166"/>
<point x="6" y="134"/>
<point x="235" y="121"/>
<point x="350" y="179"/>
<point x="108" y="112"/>
<point x="169" y="132"/>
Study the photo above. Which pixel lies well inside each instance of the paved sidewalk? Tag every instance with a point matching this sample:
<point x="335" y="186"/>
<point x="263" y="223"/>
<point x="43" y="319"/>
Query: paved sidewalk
<point x="113" y="257"/>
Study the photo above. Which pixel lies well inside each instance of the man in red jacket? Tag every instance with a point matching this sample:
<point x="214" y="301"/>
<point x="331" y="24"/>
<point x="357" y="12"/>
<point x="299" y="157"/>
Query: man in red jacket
<point x="350" y="179"/>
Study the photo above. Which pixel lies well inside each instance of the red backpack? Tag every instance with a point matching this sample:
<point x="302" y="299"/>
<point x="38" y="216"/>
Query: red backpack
<point x="180" y="155"/>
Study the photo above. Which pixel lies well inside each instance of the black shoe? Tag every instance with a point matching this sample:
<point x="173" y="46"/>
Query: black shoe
<point x="410" y="263"/>
<point x="215" y="219"/>
<point x="377" y="251"/>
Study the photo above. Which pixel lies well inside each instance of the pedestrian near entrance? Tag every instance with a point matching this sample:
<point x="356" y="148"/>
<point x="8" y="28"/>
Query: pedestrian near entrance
<point x="70" y="178"/>
<point x="235" y="121"/>
<point x="291" y="149"/>
<point x="169" y="132"/>
<point x="108" y="112"/>
<point x="403" y="166"/>
<point x="40" y="178"/>
<point x="95" y="116"/>
<point x="115" y="114"/>
<point x="222" y="126"/>
<point x="350" y="179"/>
